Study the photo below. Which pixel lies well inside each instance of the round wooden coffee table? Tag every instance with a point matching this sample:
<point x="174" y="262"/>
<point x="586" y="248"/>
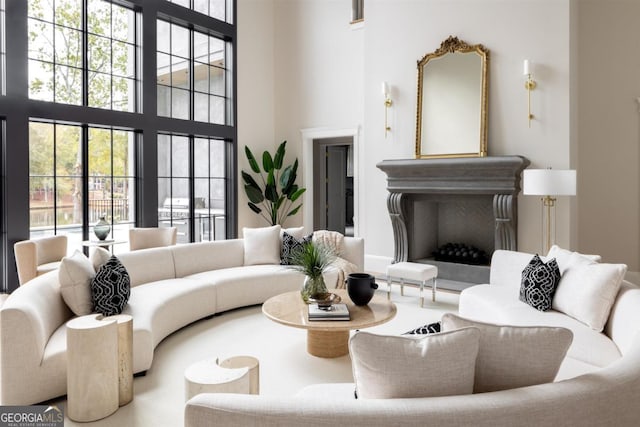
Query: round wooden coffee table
<point x="328" y="338"/>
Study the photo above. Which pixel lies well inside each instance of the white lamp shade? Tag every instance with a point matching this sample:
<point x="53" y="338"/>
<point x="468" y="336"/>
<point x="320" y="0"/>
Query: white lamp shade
<point x="549" y="182"/>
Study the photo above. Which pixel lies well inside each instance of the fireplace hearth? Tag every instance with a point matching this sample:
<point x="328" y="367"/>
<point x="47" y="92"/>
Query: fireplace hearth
<point x="433" y="202"/>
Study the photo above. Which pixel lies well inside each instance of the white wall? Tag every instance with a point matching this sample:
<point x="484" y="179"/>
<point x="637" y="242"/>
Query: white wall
<point x="319" y="72"/>
<point x="256" y="96"/>
<point x="325" y="74"/>
<point x="609" y="130"/>
<point x="399" y="32"/>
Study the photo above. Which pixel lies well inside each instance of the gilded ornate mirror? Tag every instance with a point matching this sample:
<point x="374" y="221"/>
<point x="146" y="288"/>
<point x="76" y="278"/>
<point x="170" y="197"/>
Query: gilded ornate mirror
<point x="452" y="101"/>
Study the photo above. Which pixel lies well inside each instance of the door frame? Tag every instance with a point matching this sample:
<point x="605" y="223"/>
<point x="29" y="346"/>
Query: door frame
<point x="309" y="137"/>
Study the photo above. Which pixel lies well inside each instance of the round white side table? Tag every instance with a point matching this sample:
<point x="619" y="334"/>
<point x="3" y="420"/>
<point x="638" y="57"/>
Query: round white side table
<point x="92" y="367"/>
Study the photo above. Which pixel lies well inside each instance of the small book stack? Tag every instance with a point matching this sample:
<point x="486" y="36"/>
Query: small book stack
<point x="335" y="312"/>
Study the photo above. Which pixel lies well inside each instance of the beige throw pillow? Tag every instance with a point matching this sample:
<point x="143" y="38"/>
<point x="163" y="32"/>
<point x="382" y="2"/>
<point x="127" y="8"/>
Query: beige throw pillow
<point x="261" y="245"/>
<point x="514" y="356"/>
<point x="75" y="274"/>
<point x="297" y="232"/>
<point x="386" y="367"/>
<point x="563" y="257"/>
<point x="99" y="257"/>
<point x="587" y="290"/>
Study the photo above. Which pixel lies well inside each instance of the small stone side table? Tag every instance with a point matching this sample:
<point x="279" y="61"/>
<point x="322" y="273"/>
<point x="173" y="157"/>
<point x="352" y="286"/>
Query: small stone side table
<point x="250" y="362"/>
<point x="125" y="357"/>
<point x="92" y="367"/>
<point x="209" y="376"/>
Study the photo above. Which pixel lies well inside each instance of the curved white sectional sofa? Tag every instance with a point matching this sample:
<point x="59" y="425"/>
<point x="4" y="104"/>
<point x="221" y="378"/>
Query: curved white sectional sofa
<point x="170" y="288"/>
<point x="598" y="383"/>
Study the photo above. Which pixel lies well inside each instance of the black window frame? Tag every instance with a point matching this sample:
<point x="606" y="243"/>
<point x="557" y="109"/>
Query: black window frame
<point x="16" y="111"/>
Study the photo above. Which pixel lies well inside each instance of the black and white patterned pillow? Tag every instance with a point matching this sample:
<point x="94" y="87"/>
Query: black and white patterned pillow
<point x="431" y="328"/>
<point x="289" y="245"/>
<point x="110" y="288"/>
<point x="539" y="283"/>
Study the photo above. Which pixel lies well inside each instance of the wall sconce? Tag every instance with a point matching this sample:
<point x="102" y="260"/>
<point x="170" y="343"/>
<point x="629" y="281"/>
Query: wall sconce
<point x="387" y="103"/>
<point x="529" y="85"/>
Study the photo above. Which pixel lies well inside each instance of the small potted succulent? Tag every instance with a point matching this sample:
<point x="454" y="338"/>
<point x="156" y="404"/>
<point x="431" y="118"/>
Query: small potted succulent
<point x="312" y="259"/>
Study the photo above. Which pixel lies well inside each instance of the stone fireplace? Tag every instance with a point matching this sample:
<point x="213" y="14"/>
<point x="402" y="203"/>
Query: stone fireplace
<point x="473" y="201"/>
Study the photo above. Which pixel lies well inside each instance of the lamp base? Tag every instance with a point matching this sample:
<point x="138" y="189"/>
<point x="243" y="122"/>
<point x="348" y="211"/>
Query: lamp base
<point x="548" y="222"/>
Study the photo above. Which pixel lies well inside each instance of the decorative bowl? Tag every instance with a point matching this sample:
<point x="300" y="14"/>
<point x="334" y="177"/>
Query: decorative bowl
<point x="325" y="300"/>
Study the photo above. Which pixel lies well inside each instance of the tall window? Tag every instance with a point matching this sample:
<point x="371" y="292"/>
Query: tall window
<point x="218" y="9"/>
<point x="191" y="187"/>
<point x="192" y="75"/>
<point x="96" y="129"/>
<point x="111" y="180"/>
<point x="57" y="202"/>
<point x="62" y="45"/>
<point x="3" y="47"/>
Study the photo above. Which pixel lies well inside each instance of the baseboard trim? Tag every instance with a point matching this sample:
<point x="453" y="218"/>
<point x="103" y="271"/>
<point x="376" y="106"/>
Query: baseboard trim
<point x="633" y="277"/>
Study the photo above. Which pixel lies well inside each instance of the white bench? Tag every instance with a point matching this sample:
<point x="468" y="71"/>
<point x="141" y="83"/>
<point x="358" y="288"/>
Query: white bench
<point x="413" y="271"/>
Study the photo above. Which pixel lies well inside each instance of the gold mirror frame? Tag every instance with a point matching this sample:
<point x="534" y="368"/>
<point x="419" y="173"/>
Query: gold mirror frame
<point x="454" y="45"/>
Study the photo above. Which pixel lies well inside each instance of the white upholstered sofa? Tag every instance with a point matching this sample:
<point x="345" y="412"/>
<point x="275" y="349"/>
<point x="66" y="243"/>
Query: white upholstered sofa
<point x="170" y="288"/>
<point x="598" y="383"/>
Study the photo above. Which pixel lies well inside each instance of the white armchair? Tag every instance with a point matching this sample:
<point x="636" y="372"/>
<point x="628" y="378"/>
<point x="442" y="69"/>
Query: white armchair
<point x="152" y="237"/>
<point x="38" y="256"/>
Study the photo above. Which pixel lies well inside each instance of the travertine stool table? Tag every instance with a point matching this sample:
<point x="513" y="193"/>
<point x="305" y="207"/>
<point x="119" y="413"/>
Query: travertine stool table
<point x="413" y="271"/>
<point x="207" y="376"/>
<point x="125" y="357"/>
<point x="250" y="362"/>
<point x="92" y="367"/>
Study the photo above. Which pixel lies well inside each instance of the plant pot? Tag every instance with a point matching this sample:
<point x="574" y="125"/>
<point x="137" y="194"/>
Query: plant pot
<point x="102" y="228"/>
<point x="312" y="287"/>
<point x="361" y="287"/>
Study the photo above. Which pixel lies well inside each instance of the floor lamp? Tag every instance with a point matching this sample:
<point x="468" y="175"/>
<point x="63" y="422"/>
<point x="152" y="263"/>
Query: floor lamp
<point x="549" y="183"/>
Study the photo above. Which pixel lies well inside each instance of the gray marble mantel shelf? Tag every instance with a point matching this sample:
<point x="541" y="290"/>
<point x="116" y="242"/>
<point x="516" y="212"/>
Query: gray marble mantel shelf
<point x="477" y="175"/>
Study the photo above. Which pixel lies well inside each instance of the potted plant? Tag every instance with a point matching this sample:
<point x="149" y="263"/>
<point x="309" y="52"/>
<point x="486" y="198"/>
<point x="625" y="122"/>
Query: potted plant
<point x="312" y="259"/>
<point x="274" y="199"/>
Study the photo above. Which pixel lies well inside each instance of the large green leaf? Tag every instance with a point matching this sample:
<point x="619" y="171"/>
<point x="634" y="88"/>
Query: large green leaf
<point x="267" y="162"/>
<point x="248" y="179"/>
<point x="279" y="157"/>
<point x="252" y="160"/>
<point x="254" y="194"/>
<point x="278" y="204"/>
<point x="286" y="182"/>
<point x="271" y="178"/>
<point x="285" y="177"/>
<point x="254" y="208"/>
<point x="296" y="194"/>
<point x="290" y="190"/>
<point x="295" y="211"/>
<point x="270" y="191"/>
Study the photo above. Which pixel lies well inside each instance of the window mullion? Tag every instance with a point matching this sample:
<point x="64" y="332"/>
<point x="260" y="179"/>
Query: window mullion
<point x="192" y="189"/>
<point x="85" y="183"/>
<point x="192" y="67"/>
<point x="85" y="51"/>
<point x="112" y="179"/>
<point x="55" y="181"/>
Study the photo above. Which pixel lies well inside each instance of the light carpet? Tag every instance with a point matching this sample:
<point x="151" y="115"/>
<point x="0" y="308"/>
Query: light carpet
<point x="285" y="366"/>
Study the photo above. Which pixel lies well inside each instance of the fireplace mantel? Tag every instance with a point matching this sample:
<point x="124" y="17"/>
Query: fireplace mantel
<point x="478" y="175"/>
<point x="431" y="200"/>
